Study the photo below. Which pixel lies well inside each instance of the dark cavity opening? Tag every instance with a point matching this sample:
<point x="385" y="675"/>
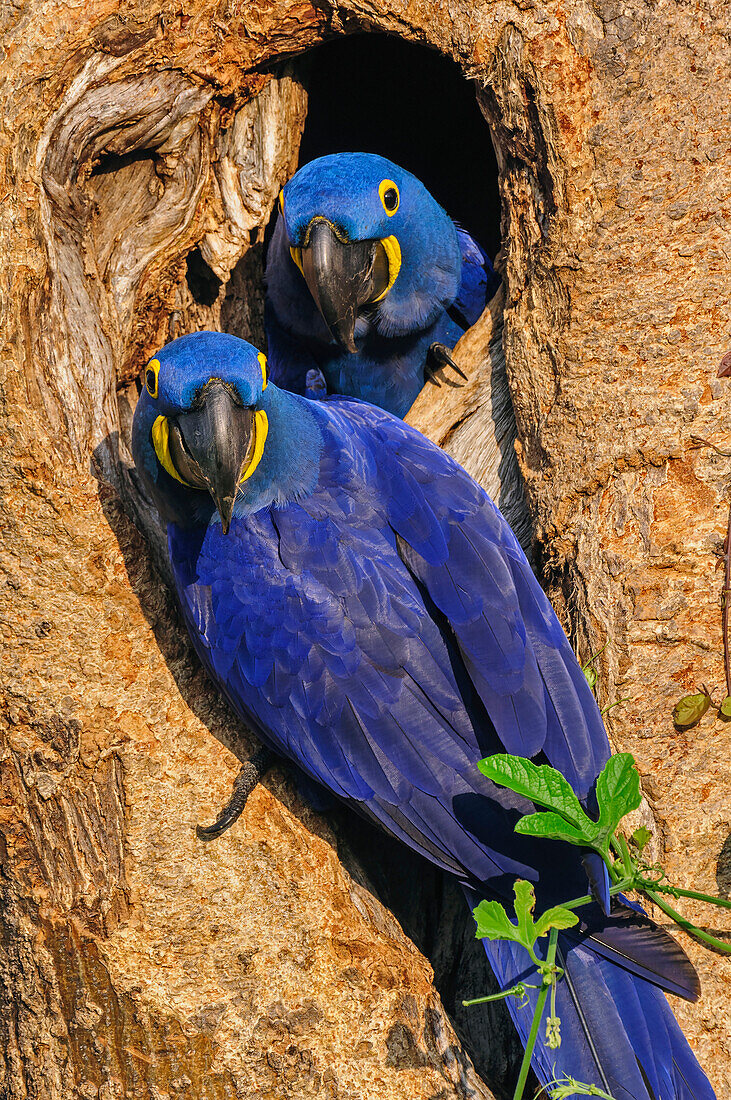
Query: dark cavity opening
<point x="203" y="283"/>
<point x="115" y="162"/>
<point x="375" y="93"/>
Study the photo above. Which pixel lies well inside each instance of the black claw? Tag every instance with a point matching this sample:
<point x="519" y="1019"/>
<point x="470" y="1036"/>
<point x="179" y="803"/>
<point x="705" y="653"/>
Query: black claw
<point x="252" y="772"/>
<point x="455" y="314"/>
<point x="438" y="357"/>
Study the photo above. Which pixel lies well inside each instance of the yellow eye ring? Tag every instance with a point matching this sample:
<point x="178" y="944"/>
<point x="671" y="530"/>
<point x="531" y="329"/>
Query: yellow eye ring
<point x="152" y="370"/>
<point x="389" y="195"/>
<point x="263" y="364"/>
<point x="281" y="200"/>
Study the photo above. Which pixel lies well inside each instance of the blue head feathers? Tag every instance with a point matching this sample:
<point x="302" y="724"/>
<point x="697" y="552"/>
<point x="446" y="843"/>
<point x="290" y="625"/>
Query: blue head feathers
<point x="210" y="434"/>
<point x="175" y="377"/>
<point x="368" y="236"/>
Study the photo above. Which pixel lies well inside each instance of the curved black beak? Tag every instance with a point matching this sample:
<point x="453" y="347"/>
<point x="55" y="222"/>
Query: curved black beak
<point x="342" y="277"/>
<point x="212" y="445"/>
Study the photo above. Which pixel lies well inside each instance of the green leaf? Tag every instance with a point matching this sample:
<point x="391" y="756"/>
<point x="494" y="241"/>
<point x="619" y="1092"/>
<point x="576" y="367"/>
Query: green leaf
<point x="617" y="792"/>
<point x="553" y="827"/>
<point x="541" y="783"/>
<point x="689" y="710"/>
<point x="725" y="708"/>
<point x="641" y="838"/>
<point x="590" y="674"/>
<point x="493" y="923"/>
<point x="525" y="901"/>
<point x="557" y="917"/>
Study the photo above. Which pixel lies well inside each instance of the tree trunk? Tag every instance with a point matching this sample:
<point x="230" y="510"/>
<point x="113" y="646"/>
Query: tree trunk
<point x="143" y="150"/>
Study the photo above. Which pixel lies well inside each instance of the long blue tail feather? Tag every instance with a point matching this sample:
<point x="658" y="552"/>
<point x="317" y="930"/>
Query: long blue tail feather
<point x="631" y="940"/>
<point x="617" y="1030"/>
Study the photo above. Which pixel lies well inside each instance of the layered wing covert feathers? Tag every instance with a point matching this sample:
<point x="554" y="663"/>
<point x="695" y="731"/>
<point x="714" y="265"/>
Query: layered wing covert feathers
<point x="386" y="633"/>
<point x="479" y="280"/>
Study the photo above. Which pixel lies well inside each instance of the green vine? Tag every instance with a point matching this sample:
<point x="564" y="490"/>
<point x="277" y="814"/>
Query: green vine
<point x="564" y="818"/>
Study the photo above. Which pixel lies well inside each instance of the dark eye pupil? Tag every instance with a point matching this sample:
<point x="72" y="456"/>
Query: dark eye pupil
<point x="150" y="379"/>
<point x="390" y="199"/>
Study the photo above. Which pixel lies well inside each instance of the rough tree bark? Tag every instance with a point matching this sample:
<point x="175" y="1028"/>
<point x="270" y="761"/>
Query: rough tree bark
<point x="139" y="142"/>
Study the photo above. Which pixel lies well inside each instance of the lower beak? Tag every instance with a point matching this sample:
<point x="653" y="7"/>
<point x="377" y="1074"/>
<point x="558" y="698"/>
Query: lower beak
<point x="342" y="277"/>
<point x="212" y="446"/>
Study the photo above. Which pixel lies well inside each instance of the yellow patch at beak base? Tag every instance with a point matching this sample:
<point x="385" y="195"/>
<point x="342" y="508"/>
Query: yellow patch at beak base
<point x="263" y="364"/>
<point x="161" y="442"/>
<point x="261" y="430"/>
<point x="393" y="254"/>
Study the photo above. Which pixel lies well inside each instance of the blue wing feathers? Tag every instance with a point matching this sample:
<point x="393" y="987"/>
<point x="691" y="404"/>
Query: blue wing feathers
<point x="339" y="592"/>
<point x="636" y="943"/>
<point x="598" y="878"/>
<point x="479" y="280"/>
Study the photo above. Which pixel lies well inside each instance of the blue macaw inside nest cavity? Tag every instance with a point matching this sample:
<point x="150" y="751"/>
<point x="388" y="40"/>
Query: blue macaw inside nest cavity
<point x="368" y="281"/>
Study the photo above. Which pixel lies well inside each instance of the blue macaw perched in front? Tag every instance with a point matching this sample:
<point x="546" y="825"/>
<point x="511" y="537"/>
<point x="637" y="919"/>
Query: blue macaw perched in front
<point x="364" y="606"/>
<point x="368" y="281"/>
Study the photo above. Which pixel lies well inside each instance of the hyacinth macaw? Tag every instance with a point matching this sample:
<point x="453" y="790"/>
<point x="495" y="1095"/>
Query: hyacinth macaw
<point x="366" y="609"/>
<point x="368" y="281"/>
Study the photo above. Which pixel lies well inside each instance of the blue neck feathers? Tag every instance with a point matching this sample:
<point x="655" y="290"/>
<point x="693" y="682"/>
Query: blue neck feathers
<point x="290" y="466"/>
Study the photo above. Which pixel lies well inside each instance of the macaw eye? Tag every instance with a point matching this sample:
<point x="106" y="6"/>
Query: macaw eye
<point x="388" y="191"/>
<point x="281" y="200"/>
<point x="263" y="364"/>
<point x="151" y="375"/>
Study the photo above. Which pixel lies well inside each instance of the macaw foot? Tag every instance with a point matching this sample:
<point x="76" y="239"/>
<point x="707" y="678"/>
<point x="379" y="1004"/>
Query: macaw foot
<point x="437" y="358"/>
<point x="252" y="772"/>
<point x="315" y="384"/>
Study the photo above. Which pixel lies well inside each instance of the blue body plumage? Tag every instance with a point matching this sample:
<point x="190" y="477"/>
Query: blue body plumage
<point x="368" y="341"/>
<point x="372" y="616"/>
